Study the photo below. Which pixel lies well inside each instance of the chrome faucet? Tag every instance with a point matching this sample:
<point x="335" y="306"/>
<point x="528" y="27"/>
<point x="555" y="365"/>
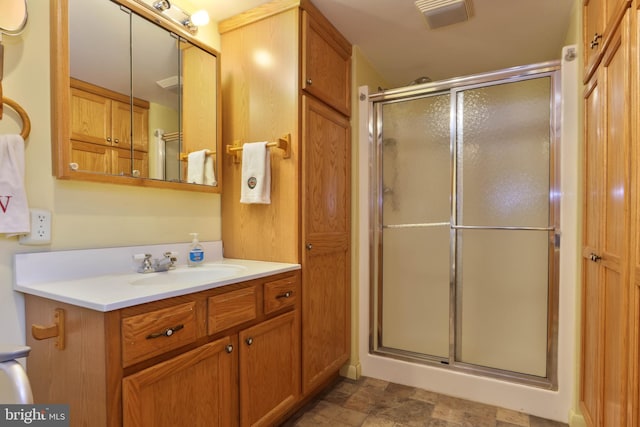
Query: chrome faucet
<point x="166" y="263"/>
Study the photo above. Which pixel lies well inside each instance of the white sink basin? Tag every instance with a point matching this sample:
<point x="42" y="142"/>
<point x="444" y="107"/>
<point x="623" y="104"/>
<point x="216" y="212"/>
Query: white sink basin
<point x="207" y="273"/>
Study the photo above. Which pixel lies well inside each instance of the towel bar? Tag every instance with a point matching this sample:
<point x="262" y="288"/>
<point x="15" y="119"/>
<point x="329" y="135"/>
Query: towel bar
<point x="283" y="143"/>
<point x="26" y="123"/>
<point x="185" y="156"/>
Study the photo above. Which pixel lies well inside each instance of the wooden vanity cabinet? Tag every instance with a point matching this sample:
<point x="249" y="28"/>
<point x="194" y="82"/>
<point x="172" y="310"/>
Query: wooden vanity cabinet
<point x="223" y="357"/>
<point x="101" y="131"/>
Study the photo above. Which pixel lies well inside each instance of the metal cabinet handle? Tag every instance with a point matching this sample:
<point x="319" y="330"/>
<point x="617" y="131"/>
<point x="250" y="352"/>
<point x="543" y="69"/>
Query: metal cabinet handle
<point x="309" y="82"/>
<point x="249" y="341"/>
<point x="108" y="139"/>
<point x="596" y="40"/>
<point x="285" y="295"/>
<point x="594" y="257"/>
<point x="166" y="333"/>
<point x="229" y="348"/>
<point x="309" y="246"/>
<point x="116" y="140"/>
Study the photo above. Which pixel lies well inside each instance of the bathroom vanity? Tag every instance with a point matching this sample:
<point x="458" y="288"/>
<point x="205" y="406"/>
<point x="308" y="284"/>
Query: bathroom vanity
<point x="167" y="353"/>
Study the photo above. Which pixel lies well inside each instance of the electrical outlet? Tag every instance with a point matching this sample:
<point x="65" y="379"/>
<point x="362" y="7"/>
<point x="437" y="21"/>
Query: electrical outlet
<point x="40" y="228"/>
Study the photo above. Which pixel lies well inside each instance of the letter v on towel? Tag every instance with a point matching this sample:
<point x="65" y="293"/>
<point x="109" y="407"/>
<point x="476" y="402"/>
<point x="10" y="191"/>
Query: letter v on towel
<point x="256" y="173"/>
<point x="14" y="210"/>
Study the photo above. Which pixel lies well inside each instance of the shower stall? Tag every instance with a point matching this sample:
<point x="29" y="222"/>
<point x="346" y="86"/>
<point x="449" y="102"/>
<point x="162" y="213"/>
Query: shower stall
<point x="465" y="224"/>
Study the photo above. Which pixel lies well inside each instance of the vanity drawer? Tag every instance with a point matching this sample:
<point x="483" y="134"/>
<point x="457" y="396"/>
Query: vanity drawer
<point x="280" y="293"/>
<point x="156" y="332"/>
<point x="231" y="308"/>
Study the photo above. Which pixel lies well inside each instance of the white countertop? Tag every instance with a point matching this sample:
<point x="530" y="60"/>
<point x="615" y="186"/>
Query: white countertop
<point x="112" y="283"/>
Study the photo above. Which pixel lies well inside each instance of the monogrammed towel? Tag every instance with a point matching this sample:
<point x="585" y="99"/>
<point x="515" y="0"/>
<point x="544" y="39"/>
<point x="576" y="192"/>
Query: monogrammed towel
<point x="256" y="173"/>
<point x="14" y="211"/>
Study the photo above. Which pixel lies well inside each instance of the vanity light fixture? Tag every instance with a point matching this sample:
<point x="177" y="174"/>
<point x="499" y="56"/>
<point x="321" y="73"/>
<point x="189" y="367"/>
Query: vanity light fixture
<point x="177" y="15"/>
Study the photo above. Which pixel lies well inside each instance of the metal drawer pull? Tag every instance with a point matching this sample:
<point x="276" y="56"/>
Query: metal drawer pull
<point x="249" y="341"/>
<point x="229" y="348"/>
<point x="285" y="295"/>
<point x="166" y="333"/>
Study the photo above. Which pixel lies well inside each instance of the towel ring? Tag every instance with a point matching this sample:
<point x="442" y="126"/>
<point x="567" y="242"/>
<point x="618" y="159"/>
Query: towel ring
<point x="26" y="123"/>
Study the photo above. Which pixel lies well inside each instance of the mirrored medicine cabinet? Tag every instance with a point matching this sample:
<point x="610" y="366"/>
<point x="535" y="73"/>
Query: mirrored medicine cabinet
<point x="133" y="94"/>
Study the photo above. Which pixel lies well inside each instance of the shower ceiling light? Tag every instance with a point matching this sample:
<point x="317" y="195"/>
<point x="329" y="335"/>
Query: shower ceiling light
<point x="443" y="12"/>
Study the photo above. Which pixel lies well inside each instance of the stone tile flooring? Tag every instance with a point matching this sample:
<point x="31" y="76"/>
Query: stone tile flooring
<point x="369" y="402"/>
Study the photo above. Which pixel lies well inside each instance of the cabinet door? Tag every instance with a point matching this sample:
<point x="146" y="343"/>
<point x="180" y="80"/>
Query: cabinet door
<point x="326" y="64"/>
<point x="326" y="160"/>
<point x="605" y="356"/>
<point x="91" y="157"/>
<point x="269" y="369"/>
<point x="197" y="389"/>
<point x="90" y="117"/>
<point x="591" y="371"/>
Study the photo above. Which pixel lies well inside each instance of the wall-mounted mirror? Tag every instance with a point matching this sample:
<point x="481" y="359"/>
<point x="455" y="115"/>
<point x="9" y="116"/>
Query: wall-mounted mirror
<point x="136" y="98"/>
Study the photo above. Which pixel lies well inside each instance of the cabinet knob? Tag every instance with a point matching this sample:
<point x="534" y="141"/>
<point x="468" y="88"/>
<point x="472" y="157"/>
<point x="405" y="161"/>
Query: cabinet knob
<point x="309" y="246"/>
<point x="596" y="40"/>
<point x="108" y="139"/>
<point x="284" y="295"/>
<point x="309" y="82"/>
<point x="229" y="348"/>
<point x="116" y="140"/>
<point x="594" y="257"/>
<point x="166" y="333"/>
<point x="249" y="341"/>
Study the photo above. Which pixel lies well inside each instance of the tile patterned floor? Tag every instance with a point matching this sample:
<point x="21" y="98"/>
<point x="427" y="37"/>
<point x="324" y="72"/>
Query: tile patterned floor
<point x="369" y="402"/>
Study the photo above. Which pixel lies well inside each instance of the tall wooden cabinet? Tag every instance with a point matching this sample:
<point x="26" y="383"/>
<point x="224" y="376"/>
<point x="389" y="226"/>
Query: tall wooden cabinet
<point x="608" y="315"/>
<point x="287" y="70"/>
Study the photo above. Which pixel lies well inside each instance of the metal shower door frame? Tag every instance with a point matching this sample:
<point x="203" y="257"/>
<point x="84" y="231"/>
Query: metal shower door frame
<point x="453" y="87"/>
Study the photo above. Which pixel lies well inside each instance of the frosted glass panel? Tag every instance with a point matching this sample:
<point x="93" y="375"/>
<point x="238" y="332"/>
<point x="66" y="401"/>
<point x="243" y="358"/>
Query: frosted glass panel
<point x="502" y="299"/>
<point x="503" y="154"/>
<point x="416" y="158"/>
<point x="415" y="314"/>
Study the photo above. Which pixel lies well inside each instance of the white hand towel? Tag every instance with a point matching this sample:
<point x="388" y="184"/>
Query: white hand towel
<point x="14" y="210"/>
<point x="195" y="167"/>
<point x="209" y="171"/>
<point x="256" y="173"/>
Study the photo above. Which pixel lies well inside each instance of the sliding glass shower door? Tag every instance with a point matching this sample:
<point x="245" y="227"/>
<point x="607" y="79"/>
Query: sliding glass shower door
<point x="464" y="248"/>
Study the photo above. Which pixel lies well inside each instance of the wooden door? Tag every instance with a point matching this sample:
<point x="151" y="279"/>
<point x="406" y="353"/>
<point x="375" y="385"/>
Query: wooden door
<point x="326" y="160"/>
<point x="197" y="389"/>
<point x="591" y="368"/>
<point x="605" y="355"/>
<point x="269" y="369"/>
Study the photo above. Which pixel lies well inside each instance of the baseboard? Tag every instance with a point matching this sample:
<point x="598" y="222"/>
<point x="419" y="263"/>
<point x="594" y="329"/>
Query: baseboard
<point x="576" y="419"/>
<point x="351" y="371"/>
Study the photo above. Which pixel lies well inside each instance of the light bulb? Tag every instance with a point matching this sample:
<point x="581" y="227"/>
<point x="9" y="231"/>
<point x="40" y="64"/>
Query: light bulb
<point x="200" y="18"/>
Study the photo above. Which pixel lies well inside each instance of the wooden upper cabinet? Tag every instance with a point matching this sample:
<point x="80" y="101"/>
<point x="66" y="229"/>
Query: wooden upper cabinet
<point x="326" y="63"/>
<point x="600" y="20"/>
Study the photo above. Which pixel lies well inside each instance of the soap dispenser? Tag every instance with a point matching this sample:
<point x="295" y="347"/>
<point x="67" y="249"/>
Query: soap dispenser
<point x="196" y="252"/>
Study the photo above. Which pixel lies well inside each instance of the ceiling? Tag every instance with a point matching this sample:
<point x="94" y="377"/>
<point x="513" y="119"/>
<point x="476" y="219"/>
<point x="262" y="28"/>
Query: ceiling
<point x="395" y="38"/>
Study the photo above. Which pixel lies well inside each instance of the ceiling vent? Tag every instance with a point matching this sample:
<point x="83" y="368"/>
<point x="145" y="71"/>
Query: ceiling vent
<point x="440" y="13"/>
